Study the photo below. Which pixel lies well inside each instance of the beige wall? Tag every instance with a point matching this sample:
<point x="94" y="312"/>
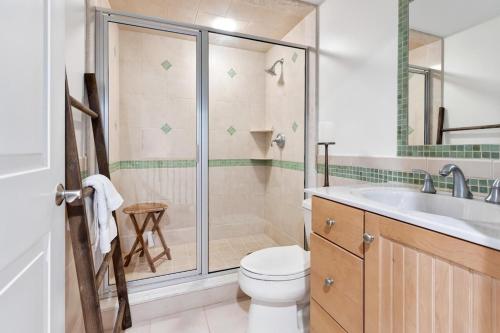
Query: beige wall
<point x="145" y="97"/>
<point x="285" y="111"/>
<point x="285" y="108"/>
<point x="236" y="193"/>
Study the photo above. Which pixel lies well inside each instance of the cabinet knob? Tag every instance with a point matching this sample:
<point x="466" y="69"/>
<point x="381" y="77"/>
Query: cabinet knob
<point x="329" y="222"/>
<point x="367" y="238"/>
<point x="328" y="282"/>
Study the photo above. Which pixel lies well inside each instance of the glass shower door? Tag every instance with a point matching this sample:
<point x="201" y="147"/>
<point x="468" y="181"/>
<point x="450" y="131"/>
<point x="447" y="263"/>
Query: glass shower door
<point x="153" y="135"/>
<point x="256" y="90"/>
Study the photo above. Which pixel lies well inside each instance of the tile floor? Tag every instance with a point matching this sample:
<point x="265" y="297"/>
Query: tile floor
<point x="227" y="317"/>
<point x="223" y="254"/>
<point x="227" y="253"/>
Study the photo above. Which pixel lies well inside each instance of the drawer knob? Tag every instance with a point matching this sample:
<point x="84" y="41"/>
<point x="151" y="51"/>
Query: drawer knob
<point x="367" y="238"/>
<point x="328" y="282"/>
<point x="329" y="222"/>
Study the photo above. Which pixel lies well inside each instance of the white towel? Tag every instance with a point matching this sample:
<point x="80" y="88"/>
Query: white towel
<point x="106" y="199"/>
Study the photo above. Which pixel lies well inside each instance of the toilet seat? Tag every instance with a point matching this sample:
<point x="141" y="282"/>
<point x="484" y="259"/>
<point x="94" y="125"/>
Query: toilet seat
<point x="282" y="263"/>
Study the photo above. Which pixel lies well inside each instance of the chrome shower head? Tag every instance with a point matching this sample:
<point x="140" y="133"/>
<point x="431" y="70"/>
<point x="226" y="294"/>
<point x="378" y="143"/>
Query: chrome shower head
<point x="272" y="69"/>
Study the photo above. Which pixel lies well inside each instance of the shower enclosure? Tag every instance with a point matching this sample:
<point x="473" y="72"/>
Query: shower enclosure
<point x="191" y="114"/>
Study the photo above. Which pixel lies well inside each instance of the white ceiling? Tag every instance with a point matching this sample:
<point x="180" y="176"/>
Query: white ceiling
<point x="267" y="18"/>
<point x="447" y="17"/>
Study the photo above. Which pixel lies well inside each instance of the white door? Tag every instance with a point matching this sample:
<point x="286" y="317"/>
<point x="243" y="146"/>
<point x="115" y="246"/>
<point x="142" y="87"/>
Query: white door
<point x="31" y="165"/>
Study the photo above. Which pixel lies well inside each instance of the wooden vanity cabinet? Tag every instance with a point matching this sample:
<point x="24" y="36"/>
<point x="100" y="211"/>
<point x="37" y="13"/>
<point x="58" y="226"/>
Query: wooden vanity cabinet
<point x="417" y="280"/>
<point x="408" y="279"/>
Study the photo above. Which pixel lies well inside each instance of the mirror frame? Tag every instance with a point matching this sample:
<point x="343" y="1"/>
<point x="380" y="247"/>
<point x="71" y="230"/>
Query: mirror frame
<point x="477" y="151"/>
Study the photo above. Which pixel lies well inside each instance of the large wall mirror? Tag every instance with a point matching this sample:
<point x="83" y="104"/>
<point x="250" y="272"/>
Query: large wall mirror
<point x="449" y="77"/>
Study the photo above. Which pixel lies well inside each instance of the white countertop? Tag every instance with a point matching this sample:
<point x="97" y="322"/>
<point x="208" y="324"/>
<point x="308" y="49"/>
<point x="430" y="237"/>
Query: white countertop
<point x="479" y="230"/>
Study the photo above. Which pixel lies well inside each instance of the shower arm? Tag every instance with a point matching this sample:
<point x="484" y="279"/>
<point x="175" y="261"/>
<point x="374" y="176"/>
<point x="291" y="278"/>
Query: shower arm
<point x="271" y="70"/>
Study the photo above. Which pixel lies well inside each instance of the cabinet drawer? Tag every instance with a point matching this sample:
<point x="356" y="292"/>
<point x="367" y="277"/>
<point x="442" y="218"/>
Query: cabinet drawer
<point x="321" y="322"/>
<point x="347" y="228"/>
<point x="343" y="299"/>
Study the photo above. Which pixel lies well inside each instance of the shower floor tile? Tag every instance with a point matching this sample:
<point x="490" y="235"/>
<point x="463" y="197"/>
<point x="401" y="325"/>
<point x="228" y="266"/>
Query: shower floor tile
<point x="223" y="254"/>
<point x="227" y="253"/>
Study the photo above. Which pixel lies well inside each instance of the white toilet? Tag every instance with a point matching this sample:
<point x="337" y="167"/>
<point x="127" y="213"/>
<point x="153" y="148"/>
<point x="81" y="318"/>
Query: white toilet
<point x="277" y="280"/>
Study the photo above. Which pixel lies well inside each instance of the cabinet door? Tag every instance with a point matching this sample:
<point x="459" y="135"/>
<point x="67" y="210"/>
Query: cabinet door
<point x="418" y="280"/>
<point x="321" y="322"/>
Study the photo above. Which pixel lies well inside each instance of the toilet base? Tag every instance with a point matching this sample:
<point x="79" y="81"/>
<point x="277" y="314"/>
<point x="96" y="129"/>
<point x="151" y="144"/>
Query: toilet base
<point x="265" y="317"/>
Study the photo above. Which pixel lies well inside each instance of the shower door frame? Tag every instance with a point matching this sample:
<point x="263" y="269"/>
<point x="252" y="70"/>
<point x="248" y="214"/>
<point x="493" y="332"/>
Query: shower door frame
<point x="103" y="17"/>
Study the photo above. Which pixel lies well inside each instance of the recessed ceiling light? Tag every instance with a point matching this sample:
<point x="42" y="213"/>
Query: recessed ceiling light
<point x="224" y="23"/>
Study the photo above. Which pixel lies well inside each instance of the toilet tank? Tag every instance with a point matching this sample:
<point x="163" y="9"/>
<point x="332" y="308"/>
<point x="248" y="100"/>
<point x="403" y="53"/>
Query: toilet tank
<point x="307" y="210"/>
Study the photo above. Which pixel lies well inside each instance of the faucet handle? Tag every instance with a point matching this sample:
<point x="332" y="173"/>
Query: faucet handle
<point x="494" y="196"/>
<point x="428" y="186"/>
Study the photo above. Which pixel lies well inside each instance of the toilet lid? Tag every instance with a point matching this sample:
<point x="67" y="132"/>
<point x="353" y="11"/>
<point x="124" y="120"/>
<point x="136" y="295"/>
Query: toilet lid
<point x="277" y="261"/>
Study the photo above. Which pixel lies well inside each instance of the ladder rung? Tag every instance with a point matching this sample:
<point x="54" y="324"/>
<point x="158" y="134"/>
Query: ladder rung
<point x="119" y="317"/>
<point x="85" y="109"/>
<point x="105" y="263"/>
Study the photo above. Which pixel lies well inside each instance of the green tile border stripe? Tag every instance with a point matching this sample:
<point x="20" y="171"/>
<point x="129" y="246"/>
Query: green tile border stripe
<point x="456" y="151"/>
<point x="373" y="175"/>
<point x="161" y="164"/>
<point x="479" y="151"/>
<point x="156" y="164"/>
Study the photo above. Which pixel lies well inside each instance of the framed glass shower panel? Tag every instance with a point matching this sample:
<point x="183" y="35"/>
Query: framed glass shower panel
<point x="153" y="125"/>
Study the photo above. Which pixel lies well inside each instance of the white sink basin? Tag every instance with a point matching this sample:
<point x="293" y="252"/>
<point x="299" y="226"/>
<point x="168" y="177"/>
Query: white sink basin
<point x="472" y="220"/>
<point x="436" y="204"/>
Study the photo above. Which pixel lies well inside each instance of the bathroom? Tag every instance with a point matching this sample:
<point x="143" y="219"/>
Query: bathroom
<point x="281" y="166"/>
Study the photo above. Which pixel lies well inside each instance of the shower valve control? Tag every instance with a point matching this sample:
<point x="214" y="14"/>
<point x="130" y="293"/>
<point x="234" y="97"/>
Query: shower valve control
<point x="279" y="140"/>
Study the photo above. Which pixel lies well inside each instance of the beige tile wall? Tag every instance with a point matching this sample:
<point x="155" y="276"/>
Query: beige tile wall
<point x="151" y="96"/>
<point x="236" y="193"/>
<point x="243" y="199"/>
<point x="285" y="106"/>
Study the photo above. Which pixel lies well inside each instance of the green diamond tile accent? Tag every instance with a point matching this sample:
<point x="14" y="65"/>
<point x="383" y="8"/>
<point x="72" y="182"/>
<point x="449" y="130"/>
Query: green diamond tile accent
<point x="166" y="128"/>
<point x="410" y="130"/>
<point x="295" y="56"/>
<point x="166" y="65"/>
<point x="295" y="126"/>
<point x="231" y="130"/>
<point x="232" y="73"/>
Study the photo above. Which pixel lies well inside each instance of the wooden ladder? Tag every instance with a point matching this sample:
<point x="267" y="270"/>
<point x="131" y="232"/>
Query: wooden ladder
<point x="88" y="280"/>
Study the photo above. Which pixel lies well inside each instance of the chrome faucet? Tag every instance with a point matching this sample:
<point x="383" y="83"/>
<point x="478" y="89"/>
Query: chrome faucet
<point x="428" y="186"/>
<point x="494" y="196"/>
<point x="460" y="186"/>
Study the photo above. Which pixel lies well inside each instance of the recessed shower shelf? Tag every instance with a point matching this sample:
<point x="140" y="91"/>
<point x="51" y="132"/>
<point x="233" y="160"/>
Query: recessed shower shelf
<point x="262" y="130"/>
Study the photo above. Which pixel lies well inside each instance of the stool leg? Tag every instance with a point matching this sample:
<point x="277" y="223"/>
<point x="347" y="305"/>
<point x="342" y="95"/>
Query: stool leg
<point x="139" y="233"/>
<point x="156" y="227"/>
<point x="128" y="257"/>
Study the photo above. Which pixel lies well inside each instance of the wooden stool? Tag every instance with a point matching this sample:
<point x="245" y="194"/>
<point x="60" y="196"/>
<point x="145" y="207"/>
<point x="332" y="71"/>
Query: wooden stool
<point x="149" y="208"/>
